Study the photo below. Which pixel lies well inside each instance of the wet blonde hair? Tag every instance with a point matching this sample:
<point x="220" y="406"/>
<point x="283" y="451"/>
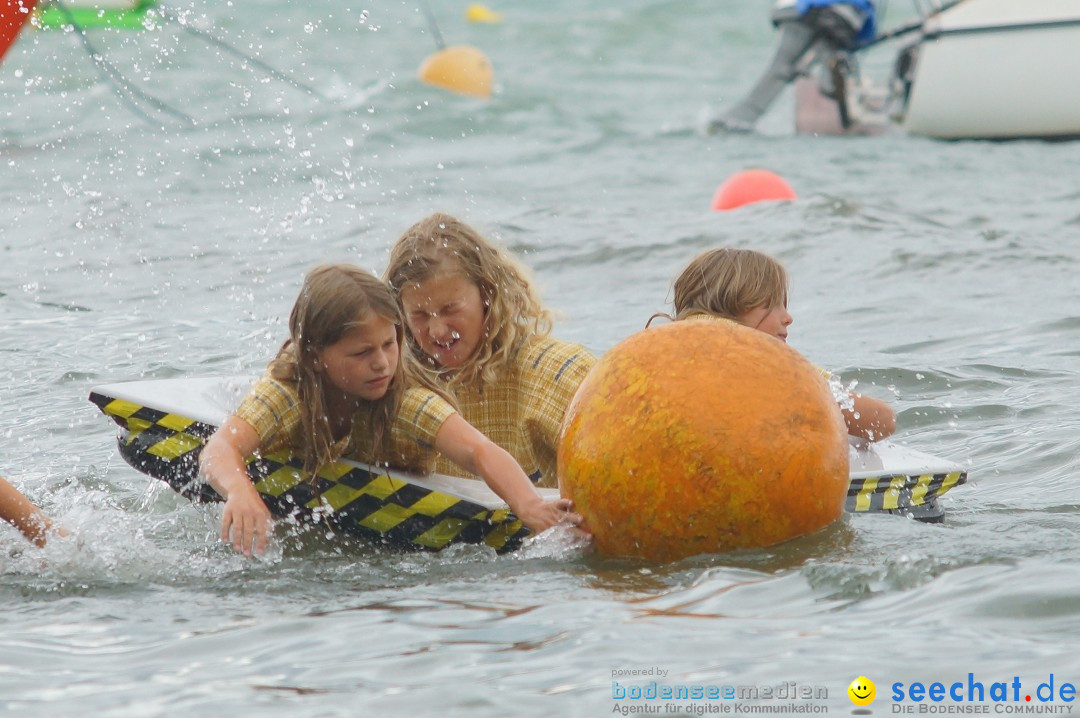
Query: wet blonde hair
<point x="441" y="244"/>
<point x="334" y="299"/>
<point x="728" y="282"/>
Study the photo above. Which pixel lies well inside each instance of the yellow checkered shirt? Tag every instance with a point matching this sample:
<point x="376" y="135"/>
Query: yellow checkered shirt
<point x="522" y="410"/>
<point x="272" y="408"/>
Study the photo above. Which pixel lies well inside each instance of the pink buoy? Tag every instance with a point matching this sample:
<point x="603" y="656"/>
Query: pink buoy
<point x="751" y="186"/>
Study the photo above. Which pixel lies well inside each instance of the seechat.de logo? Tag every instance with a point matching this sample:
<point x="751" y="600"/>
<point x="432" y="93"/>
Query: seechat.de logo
<point x="862" y="692"/>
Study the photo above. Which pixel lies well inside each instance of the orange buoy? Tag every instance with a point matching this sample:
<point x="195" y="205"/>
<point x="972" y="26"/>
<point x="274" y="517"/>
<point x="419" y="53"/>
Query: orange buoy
<point x="751" y="186"/>
<point x="461" y="68"/>
<point x="700" y="437"/>
<point x="482" y="13"/>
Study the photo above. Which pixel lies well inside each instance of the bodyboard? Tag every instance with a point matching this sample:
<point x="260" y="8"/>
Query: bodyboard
<point x="165" y="423"/>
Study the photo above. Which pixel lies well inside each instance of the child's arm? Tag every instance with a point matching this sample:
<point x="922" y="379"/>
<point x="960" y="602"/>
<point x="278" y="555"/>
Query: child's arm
<point x="246" y="518"/>
<point x="460" y="442"/>
<point x="17" y="510"/>
<point x="869" y="418"/>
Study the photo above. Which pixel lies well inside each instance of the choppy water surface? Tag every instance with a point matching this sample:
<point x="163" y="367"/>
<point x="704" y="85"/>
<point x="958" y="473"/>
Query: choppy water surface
<point x="940" y="276"/>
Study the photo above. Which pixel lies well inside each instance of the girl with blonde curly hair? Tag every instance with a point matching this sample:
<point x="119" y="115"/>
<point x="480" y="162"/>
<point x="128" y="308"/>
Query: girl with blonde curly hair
<point x="474" y="318"/>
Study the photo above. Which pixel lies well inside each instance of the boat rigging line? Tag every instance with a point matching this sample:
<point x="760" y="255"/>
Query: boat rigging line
<point x="128" y="92"/>
<point x="116" y="80"/>
<point x="910" y="27"/>
<point x="167" y="13"/>
<point x="440" y="43"/>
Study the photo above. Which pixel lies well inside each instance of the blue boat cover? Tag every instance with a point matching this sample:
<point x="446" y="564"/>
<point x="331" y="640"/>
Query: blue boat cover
<point x="869" y="28"/>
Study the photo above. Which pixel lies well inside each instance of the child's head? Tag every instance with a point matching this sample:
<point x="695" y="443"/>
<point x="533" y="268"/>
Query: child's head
<point x="739" y="284"/>
<point x="341" y="305"/>
<point x="467" y="305"/>
<point x="345" y="335"/>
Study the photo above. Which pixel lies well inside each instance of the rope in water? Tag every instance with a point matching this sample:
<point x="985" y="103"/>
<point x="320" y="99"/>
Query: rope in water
<point x="127" y="92"/>
<point x="116" y="80"/>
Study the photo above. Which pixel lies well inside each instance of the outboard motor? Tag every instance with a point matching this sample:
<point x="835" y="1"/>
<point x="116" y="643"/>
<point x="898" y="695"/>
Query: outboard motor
<point x="811" y="32"/>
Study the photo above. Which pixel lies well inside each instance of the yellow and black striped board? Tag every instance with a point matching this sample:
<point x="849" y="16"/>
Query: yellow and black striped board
<point x="405" y="511"/>
<point x="164" y="424"/>
<point x="890" y="478"/>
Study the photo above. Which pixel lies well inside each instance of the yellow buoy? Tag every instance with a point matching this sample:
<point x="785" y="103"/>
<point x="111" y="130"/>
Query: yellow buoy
<point x="699" y="437"/>
<point x="461" y="68"/>
<point x="482" y="13"/>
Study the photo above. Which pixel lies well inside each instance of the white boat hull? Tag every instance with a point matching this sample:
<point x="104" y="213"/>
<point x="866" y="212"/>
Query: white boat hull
<point x="998" y="69"/>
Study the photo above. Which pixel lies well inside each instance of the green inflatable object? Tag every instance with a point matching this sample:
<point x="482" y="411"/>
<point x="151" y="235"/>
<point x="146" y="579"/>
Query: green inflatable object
<point x="51" y="17"/>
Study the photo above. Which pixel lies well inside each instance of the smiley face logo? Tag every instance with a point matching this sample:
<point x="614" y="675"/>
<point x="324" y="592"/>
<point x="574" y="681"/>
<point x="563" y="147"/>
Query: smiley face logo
<point x="862" y="691"/>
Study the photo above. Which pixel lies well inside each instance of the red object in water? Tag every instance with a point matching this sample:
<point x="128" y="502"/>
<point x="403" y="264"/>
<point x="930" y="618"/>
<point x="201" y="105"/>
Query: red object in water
<point x="751" y="186"/>
<point x="13" y="13"/>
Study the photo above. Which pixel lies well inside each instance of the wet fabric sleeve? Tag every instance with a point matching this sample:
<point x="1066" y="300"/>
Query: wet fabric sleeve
<point x="422" y="414"/>
<point x="552" y="380"/>
<point x="551" y="377"/>
<point x="272" y="408"/>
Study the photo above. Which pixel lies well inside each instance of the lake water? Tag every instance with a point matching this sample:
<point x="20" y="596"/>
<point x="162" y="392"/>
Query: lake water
<point x="940" y="276"/>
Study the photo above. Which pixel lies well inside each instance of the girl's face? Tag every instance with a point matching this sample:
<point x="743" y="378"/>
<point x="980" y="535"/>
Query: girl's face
<point x="445" y="314"/>
<point x="773" y="321"/>
<point x="362" y="363"/>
